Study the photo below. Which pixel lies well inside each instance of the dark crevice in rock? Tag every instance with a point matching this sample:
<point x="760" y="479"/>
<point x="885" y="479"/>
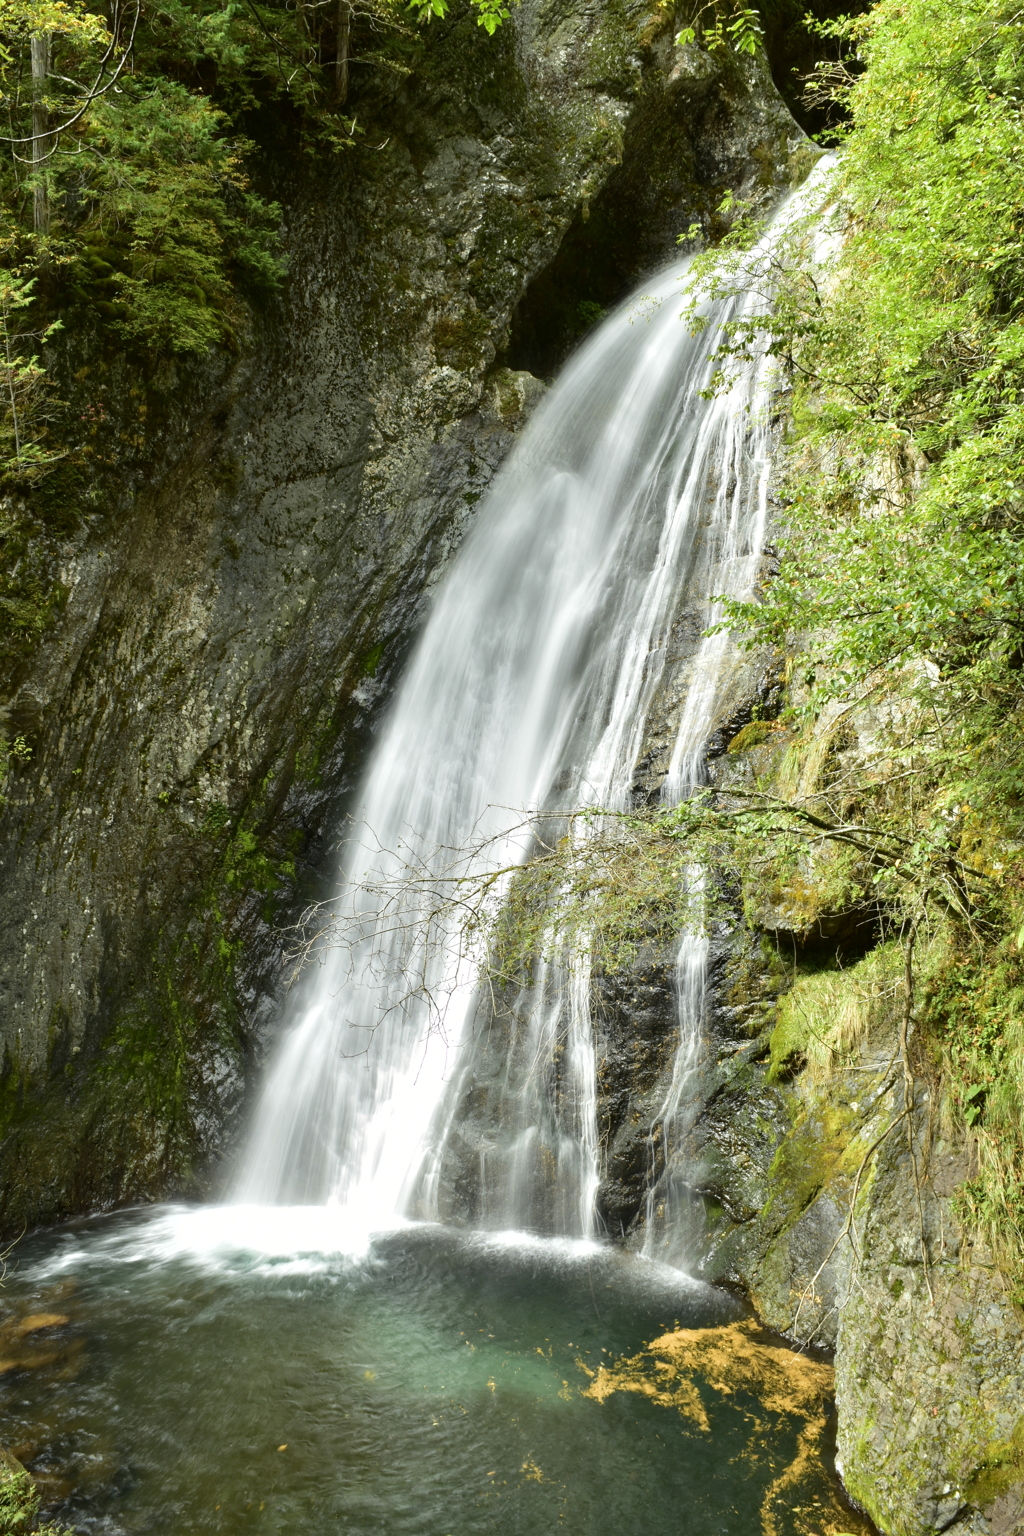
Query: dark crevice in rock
<point x="679" y="155"/>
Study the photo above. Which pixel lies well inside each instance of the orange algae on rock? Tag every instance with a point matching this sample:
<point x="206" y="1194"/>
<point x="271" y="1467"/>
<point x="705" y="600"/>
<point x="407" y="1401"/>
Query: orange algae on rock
<point x="729" y="1359"/>
<point x="680" y="1368"/>
<point x="33" y="1324"/>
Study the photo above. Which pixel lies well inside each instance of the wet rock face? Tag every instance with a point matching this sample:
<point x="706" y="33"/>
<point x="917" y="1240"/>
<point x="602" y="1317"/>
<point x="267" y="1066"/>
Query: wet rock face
<point x="929" y="1360"/>
<point x="636" y="1034"/>
<point x="238" y="600"/>
<point x="809" y="1186"/>
<point x="636" y="1023"/>
<point x="834" y="1210"/>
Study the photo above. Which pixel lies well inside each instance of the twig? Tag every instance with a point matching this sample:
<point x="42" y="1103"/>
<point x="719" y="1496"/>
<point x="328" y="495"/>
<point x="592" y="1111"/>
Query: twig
<point x="909" y="1090"/>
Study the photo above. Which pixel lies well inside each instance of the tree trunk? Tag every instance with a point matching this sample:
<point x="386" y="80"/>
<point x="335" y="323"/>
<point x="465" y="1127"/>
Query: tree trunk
<point x="40" y="124"/>
<point x="344" y="26"/>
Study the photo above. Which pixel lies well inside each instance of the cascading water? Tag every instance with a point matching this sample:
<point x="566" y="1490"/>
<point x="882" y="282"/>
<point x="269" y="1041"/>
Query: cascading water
<point x="630" y="497"/>
<point x="667" y="1228"/>
<point x="259" y="1368"/>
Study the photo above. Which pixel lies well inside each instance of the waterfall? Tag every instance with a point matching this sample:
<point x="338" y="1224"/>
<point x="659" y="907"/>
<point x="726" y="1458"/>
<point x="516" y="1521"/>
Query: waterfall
<point x="629" y="498"/>
<point x="667" y="1218"/>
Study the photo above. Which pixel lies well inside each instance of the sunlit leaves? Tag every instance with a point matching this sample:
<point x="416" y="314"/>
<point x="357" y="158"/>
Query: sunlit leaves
<point x="901" y="559"/>
<point x="24" y="387"/>
<point x="724" y="24"/>
<point x="490" y="14"/>
<point x="905" y="486"/>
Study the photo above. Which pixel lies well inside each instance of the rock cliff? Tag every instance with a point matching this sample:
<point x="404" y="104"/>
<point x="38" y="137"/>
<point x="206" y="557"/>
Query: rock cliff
<point x="818" y="1165"/>
<point x="239" y="576"/>
<point x="238" y="583"/>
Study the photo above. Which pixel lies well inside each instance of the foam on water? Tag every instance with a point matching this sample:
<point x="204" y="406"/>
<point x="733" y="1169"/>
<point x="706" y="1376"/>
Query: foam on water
<point x="218" y="1238"/>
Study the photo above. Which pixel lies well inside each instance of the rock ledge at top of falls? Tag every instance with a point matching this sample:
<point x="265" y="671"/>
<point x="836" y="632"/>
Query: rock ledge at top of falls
<point x="242" y="586"/>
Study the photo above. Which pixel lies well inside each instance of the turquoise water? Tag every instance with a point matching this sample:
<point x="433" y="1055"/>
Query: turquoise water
<point x="226" y="1372"/>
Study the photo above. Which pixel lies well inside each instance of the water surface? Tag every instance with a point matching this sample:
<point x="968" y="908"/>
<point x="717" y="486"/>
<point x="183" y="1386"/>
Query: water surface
<point x="238" y="1370"/>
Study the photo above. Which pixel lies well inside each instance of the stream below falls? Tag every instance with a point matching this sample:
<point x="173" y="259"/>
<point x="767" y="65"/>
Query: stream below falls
<point x="227" y="1369"/>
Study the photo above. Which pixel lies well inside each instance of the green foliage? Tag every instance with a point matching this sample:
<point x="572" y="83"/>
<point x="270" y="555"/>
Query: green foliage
<point x="588" y="313"/>
<point x="135" y="195"/>
<point x="489" y="13"/>
<point x="18" y="1500"/>
<point x="125" y="195"/>
<point x="905" y="500"/>
<point x="24" y="387"/>
<point x="896" y="312"/>
<point x="167" y="223"/>
<point x="19" y="1504"/>
<point x="725" y="24"/>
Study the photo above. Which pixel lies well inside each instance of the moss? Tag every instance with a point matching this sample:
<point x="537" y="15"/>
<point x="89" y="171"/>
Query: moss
<point x="824" y="1144"/>
<point x="787" y="1045"/>
<point x="371" y="661"/>
<point x="612" y="49"/>
<point x="149" y="1064"/>
<point x="31" y="593"/>
<point x="828" y="1014"/>
<point x="975" y="1024"/>
<point x="752" y="735"/>
<point x="132" y="1110"/>
<point x="617" y="894"/>
<point x="509" y="399"/>
<point x="249" y="865"/>
<point x="127" y="1115"/>
<point x="805" y="889"/>
<point x="755" y="974"/>
<point x="459" y="340"/>
<point x="324" y="728"/>
<point x="1000" y="1468"/>
<point x="111" y="431"/>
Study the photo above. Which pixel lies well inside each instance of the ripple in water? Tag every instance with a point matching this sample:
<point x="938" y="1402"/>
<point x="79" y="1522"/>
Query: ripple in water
<point x="245" y="1369"/>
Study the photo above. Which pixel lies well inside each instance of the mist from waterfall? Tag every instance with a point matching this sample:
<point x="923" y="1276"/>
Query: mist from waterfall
<point x="629" y="498"/>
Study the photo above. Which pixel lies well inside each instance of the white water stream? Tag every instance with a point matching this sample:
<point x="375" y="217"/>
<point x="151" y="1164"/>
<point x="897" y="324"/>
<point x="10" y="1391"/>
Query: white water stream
<point x="628" y="499"/>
